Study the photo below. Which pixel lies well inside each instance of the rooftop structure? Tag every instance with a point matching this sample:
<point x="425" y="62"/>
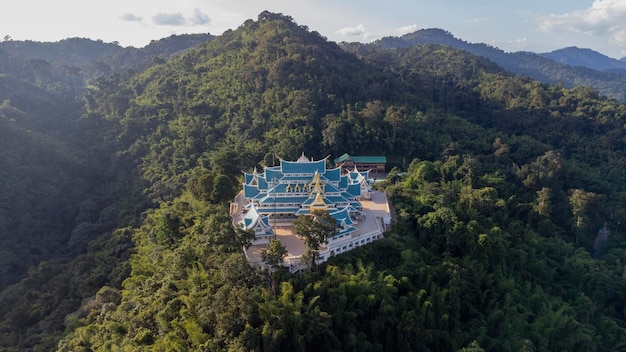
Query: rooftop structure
<point x="375" y="165"/>
<point x="271" y="200"/>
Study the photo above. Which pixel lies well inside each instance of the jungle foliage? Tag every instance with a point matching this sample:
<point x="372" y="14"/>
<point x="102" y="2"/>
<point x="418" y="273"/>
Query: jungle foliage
<point x="505" y="190"/>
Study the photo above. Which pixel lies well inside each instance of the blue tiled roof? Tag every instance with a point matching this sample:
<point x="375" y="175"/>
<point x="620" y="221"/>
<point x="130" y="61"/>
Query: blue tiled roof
<point x="279" y="188"/>
<point x="342" y="215"/>
<point x="303" y="211"/>
<point x="356" y="205"/>
<point x="337" y="199"/>
<point x="262" y="183"/>
<point x="278" y="210"/>
<point x="354" y="190"/>
<point x="250" y="191"/>
<point x="343" y="182"/>
<point x="271" y="174"/>
<point x="295" y="167"/>
<point x="250" y="217"/>
<point x="339" y="191"/>
<point x="331" y="189"/>
<point x="333" y="174"/>
<point x="354" y="176"/>
<point x="271" y="200"/>
<point x="359" y="176"/>
<point x="248" y="177"/>
<point x="297" y="179"/>
<point x="312" y="199"/>
<point x="348" y="195"/>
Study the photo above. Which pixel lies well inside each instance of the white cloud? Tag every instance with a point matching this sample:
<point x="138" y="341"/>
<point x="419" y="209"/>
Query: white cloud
<point x="352" y="31"/>
<point x="406" y="29"/>
<point x="477" y="20"/>
<point x="512" y="45"/>
<point x="177" y="19"/>
<point x="129" y="17"/>
<point x="169" y="19"/>
<point x="198" y="18"/>
<point x="603" y="18"/>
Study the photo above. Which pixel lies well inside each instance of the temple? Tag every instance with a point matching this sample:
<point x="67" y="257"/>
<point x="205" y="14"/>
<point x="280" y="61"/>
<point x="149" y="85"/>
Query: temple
<point x="281" y="193"/>
<point x="271" y="200"/>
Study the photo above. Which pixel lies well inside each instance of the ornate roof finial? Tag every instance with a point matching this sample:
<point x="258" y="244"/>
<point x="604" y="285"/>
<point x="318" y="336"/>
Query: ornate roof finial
<point x="302" y="158"/>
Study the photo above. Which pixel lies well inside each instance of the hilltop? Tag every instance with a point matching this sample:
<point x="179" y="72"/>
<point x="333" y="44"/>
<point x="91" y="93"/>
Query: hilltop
<point x="505" y="189"/>
<point x="574" y="56"/>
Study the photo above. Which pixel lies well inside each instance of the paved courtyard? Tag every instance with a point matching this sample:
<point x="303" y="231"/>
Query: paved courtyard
<point x="375" y="209"/>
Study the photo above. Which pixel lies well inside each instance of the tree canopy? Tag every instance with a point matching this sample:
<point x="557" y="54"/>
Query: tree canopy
<point x="508" y="195"/>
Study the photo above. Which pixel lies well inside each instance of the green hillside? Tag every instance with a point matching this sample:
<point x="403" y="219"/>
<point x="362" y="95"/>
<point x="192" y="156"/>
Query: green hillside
<point x="504" y="190"/>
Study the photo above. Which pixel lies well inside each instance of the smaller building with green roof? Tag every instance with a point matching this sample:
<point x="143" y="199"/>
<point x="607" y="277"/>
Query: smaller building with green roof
<point x="374" y="164"/>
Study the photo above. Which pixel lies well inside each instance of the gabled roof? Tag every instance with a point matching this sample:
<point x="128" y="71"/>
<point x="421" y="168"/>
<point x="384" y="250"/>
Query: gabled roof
<point x="354" y="189"/>
<point x="306" y="184"/>
<point x="344" y="220"/>
<point x="331" y="189"/>
<point x="272" y="174"/>
<point x="333" y="175"/>
<point x="343" y="215"/>
<point x="250" y="191"/>
<point x="316" y="185"/>
<point x="259" y="223"/>
<point x="271" y="210"/>
<point x="295" y="179"/>
<point x="319" y="201"/>
<point x="303" y="167"/>
<point x="343" y="182"/>
<point x="262" y="184"/>
<point x="250" y="217"/>
<point x="248" y="177"/>
<point x="358" y="176"/>
<point x="271" y="200"/>
<point x="281" y="188"/>
<point x="337" y="199"/>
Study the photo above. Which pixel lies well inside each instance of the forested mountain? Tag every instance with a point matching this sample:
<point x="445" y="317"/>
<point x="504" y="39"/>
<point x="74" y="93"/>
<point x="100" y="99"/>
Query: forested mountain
<point x="52" y="163"/>
<point x="542" y="68"/>
<point x="509" y="194"/>
<point x="574" y="56"/>
<point x="68" y="65"/>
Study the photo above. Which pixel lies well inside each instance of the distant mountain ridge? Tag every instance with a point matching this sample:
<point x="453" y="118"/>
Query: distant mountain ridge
<point x="574" y="56"/>
<point x="76" y="61"/>
<point x="536" y="66"/>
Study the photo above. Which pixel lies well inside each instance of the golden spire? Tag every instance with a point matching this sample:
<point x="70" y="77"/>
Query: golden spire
<point x="318" y="202"/>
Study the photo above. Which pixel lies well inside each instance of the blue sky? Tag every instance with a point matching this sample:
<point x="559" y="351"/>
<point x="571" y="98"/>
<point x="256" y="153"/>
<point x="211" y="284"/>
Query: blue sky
<point x="532" y="25"/>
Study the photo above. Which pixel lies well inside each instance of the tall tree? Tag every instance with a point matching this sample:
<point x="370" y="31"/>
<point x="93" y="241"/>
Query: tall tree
<point x="274" y="254"/>
<point x="316" y="229"/>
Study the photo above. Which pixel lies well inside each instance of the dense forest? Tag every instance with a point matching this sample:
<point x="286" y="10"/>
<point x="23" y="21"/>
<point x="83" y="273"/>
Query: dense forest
<point x="114" y="226"/>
